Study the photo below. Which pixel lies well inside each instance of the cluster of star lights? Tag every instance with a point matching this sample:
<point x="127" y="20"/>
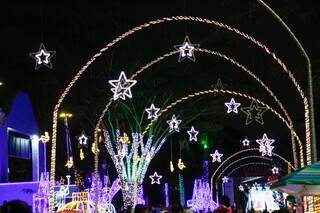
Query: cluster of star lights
<point x="265" y="145"/>
<point x="121" y="88"/>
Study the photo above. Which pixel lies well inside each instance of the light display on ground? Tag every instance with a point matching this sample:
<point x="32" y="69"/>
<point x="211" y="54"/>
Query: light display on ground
<point x="201" y="198"/>
<point x="40" y="202"/>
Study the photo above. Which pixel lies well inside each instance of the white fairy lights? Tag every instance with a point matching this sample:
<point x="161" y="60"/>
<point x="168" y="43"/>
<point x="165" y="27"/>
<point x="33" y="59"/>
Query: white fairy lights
<point x="232" y="106"/>
<point x="42" y="57"/>
<point x="254" y="112"/>
<point x="122" y="87"/>
<point x="174" y="124"/>
<point x="152" y="112"/>
<point x="193" y="134"/>
<point x="155" y="178"/>
<point x="186" y="50"/>
<point x="216" y="156"/>
<point x="265" y="145"/>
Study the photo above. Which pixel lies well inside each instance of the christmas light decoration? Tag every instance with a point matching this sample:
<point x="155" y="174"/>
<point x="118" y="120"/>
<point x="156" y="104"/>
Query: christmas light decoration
<point x="83" y="139"/>
<point x="130" y="165"/>
<point x="265" y="145"/>
<point x="186" y="50"/>
<point x="44" y="138"/>
<point x="216" y="156"/>
<point x="225" y="179"/>
<point x="155" y="178"/>
<point x="254" y="113"/>
<point x="245" y="142"/>
<point x="166" y="194"/>
<point x="93" y="148"/>
<point x="122" y="87"/>
<point x="81" y="155"/>
<point x="241" y="188"/>
<point x="193" y="134"/>
<point x="69" y="163"/>
<point x="218" y="86"/>
<point x="171" y="166"/>
<point x="152" y="112"/>
<point x="256" y="185"/>
<point x="232" y="106"/>
<point x="124" y="139"/>
<point x="275" y="170"/>
<point x="181" y="190"/>
<point x="181" y="165"/>
<point x="40" y="199"/>
<point x="42" y="57"/>
<point x="173" y="124"/>
<point x="144" y="26"/>
<point x="201" y="198"/>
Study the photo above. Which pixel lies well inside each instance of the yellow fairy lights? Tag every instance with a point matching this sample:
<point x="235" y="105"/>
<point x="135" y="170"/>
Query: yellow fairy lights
<point x="81" y="154"/>
<point x="124" y="139"/>
<point x="181" y="165"/>
<point x="45" y="138"/>
<point x="171" y="166"/>
<point x="69" y="163"/>
<point x="131" y="32"/>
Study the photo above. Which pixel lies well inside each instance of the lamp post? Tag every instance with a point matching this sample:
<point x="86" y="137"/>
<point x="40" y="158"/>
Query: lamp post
<point x="45" y="139"/>
<point x="65" y="116"/>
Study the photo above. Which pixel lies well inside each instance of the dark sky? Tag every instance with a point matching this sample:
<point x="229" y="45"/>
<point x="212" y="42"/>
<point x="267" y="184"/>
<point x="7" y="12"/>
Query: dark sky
<point x="77" y="30"/>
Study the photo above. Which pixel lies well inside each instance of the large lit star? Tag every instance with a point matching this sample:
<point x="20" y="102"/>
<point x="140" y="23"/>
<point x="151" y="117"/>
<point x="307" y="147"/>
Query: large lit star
<point x="174" y="124"/>
<point x="216" y="156"/>
<point x="152" y="111"/>
<point x="193" y="134"/>
<point x="42" y="57"/>
<point x="232" y="106"/>
<point x="122" y="87"/>
<point x="155" y="178"/>
<point x="254" y="113"/>
<point x="186" y="50"/>
<point x="265" y="145"/>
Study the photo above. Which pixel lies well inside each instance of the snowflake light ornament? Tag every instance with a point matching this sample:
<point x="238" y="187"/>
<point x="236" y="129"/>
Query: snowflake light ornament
<point x="232" y="106"/>
<point x="152" y="112"/>
<point x="254" y="113"/>
<point x="225" y="179"/>
<point x="265" y="145"/>
<point x="173" y="124"/>
<point x="216" y="156"/>
<point x="193" y="134"/>
<point x="186" y="50"/>
<point x="155" y="178"/>
<point x="122" y="87"/>
<point x="42" y="57"/>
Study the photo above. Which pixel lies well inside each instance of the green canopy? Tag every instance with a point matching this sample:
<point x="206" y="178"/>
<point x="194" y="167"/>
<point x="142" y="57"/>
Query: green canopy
<point x="305" y="181"/>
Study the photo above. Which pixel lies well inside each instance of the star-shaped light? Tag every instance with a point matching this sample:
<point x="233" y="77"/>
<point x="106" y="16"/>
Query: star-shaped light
<point x="152" y="112"/>
<point x="275" y="170"/>
<point x="42" y="57"/>
<point x="83" y="140"/>
<point x="232" y="106"/>
<point x="254" y="113"/>
<point x="174" y="124"/>
<point x="265" y="145"/>
<point x="193" y="134"/>
<point x="241" y="188"/>
<point x="216" y="156"/>
<point x="186" y="50"/>
<point x="155" y="178"/>
<point x="225" y="179"/>
<point x="245" y="142"/>
<point x="122" y="87"/>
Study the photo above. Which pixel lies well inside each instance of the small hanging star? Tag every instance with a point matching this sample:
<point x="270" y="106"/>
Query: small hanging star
<point x="254" y="113"/>
<point x="232" y="106"/>
<point x="173" y="124"/>
<point x="122" y="87"/>
<point x="225" y="179"/>
<point x="152" y="112"/>
<point x="245" y="142"/>
<point x="186" y="50"/>
<point x="193" y="134"/>
<point x="42" y="57"/>
<point x="83" y="140"/>
<point x="265" y="145"/>
<point x="241" y="188"/>
<point x="155" y="178"/>
<point x="216" y="156"/>
<point x="275" y="170"/>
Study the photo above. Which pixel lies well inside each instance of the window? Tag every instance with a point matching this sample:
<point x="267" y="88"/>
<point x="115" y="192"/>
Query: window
<point x="19" y="146"/>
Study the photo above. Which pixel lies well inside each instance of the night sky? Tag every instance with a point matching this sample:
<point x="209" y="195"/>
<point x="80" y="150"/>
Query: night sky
<point x="77" y="30"/>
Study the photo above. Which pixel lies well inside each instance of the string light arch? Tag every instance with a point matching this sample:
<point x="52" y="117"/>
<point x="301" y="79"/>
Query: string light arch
<point x="144" y="26"/>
